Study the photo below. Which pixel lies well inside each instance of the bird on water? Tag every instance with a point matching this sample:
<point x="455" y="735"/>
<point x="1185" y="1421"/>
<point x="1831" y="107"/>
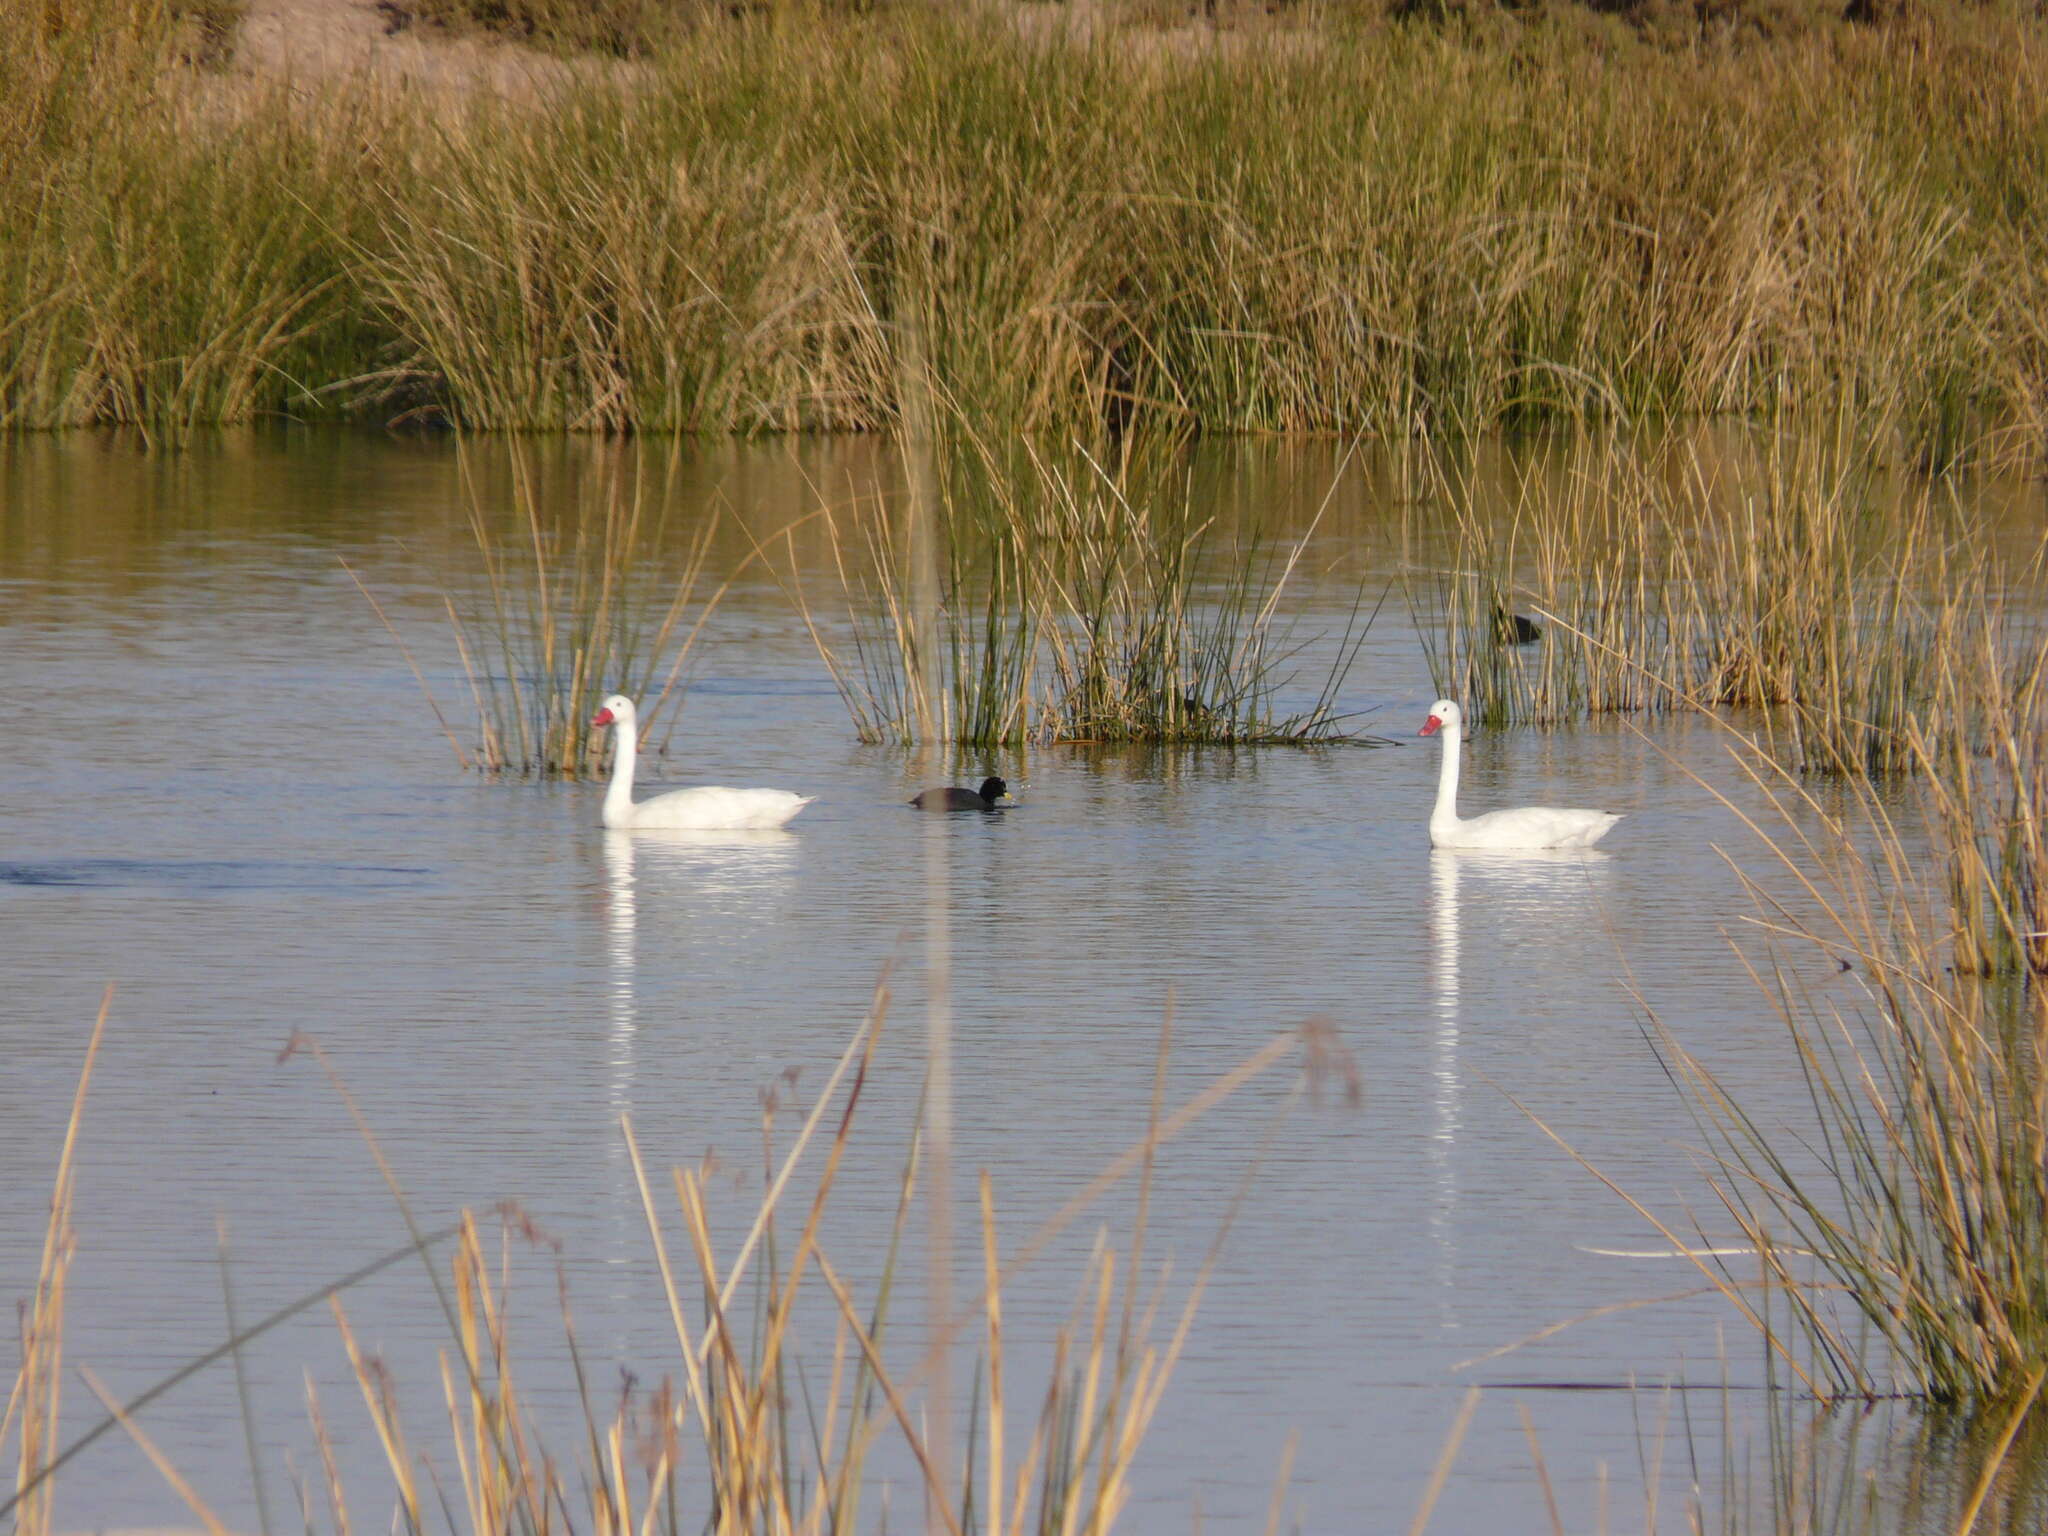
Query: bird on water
<point x="992" y="795"/>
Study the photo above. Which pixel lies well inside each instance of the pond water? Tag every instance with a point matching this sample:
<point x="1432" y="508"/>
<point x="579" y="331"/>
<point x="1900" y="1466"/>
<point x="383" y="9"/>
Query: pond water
<point x="225" y="796"/>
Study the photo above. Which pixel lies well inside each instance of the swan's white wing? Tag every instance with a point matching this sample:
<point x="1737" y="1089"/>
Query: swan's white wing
<point x="715" y="807"/>
<point x="1533" y="826"/>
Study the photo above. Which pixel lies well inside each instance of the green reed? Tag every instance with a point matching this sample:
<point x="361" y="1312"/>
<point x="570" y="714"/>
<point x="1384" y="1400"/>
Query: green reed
<point x="585" y="591"/>
<point x="171" y="261"/>
<point x="1799" y="582"/>
<point x="1083" y="599"/>
<point x="1913" y="1210"/>
<point x="1557" y="604"/>
<point x="1161" y="627"/>
<point x="1324" y="227"/>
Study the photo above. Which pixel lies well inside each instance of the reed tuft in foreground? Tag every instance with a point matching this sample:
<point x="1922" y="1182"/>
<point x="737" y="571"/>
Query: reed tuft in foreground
<point x="785" y="1385"/>
<point x="1913" y="1210"/>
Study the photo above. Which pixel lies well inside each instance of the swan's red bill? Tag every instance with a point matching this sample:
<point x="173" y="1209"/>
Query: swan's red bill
<point x="1430" y="726"/>
<point x="602" y="717"/>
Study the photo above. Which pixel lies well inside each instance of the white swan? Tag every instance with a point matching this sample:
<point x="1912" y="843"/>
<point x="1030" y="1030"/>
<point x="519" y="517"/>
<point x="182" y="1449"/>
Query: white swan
<point x="1531" y="826"/>
<point x="708" y="809"/>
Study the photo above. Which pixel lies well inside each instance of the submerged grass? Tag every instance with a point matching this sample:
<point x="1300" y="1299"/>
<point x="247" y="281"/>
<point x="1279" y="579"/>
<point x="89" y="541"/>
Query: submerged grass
<point x="1336" y="226"/>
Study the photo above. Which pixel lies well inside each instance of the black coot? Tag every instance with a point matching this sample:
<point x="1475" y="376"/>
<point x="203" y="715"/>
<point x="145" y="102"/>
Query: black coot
<point x="982" y="799"/>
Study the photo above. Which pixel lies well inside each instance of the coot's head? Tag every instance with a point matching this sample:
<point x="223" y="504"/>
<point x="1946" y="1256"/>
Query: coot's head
<point x="1443" y="716"/>
<point x="993" y="789"/>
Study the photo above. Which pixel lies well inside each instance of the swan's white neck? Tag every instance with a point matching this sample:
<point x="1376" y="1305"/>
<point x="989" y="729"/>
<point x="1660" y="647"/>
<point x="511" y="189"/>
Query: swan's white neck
<point x="1445" y="817"/>
<point x="618" y="800"/>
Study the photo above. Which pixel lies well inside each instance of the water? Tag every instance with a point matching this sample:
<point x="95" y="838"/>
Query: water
<point x="225" y="797"/>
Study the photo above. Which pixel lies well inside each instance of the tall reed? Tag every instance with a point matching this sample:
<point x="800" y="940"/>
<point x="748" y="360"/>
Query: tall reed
<point x="1903" y="952"/>
<point x="31" y="1419"/>
<point x="585" y="593"/>
<point x="1583" y="549"/>
<point x="167" y="262"/>
<point x="776" y="1456"/>
<point x="1987" y="793"/>
<point x="1799" y="582"/>
<point x="1087" y="599"/>
<point x="784" y="1382"/>
<point x="1326" y="227"/>
<point x="1914" y="1208"/>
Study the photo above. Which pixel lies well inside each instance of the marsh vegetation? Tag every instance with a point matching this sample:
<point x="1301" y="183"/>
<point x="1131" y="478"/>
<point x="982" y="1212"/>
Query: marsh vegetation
<point x="1876" y="655"/>
<point x="1344" y="226"/>
<point x="1848" y="628"/>
<point x="1073" y="600"/>
<point x="573" y="605"/>
<point x="1871" y="1133"/>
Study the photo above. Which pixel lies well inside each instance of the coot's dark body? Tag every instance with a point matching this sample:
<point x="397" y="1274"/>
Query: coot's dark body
<point x="1514" y="629"/>
<point x="983" y="799"/>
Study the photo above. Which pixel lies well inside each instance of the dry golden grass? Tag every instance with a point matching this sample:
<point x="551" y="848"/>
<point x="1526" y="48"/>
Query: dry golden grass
<point x="771" y="1422"/>
<point x="32" y="1418"/>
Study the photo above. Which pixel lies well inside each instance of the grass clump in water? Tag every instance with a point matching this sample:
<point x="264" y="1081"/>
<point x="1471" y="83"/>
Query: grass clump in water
<point x="576" y="604"/>
<point x="1796" y="582"/>
<point x="1083" y="600"/>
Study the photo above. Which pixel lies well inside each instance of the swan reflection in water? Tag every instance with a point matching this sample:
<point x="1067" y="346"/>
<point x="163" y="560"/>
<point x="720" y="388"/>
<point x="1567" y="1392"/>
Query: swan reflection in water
<point x="1520" y="889"/>
<point x="687" y="879"/>
<point x="694" y="880"/>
